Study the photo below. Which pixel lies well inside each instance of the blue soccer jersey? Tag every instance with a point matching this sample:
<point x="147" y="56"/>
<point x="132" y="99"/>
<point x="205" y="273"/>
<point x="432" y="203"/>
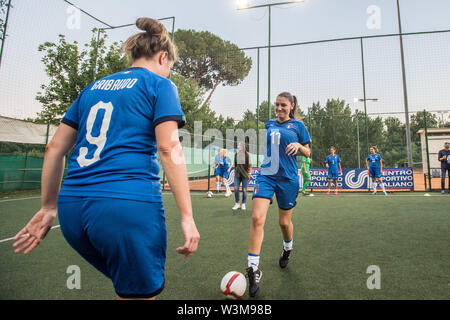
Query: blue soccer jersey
<point x="279" y="136"/>
<point x="333" y="162"/>
<point x="374" y="160"/>
<point x="218" y="161"/>
<point x="115" y="151"/>
<point x="226" y="162"/>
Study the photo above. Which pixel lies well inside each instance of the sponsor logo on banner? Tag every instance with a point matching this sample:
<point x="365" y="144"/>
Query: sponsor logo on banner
<point x="351" y="179"/>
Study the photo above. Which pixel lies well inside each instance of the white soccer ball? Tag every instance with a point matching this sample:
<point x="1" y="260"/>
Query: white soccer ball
<point x="233" y="285"/>
<point x="209" y="194"/>
<point x="426" y="195"/>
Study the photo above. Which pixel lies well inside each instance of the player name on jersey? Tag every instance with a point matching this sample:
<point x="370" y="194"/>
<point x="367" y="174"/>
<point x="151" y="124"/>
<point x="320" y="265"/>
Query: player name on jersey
<point x="112" y="84"/>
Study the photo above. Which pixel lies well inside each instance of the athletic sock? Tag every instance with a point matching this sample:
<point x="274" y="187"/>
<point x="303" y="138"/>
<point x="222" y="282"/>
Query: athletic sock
<point x="375" y="186"/>
<point x="253" y="261"/>
<point x="382" y="186"/>
<point x="287" y="245"/>
<point x="218" y="186"/>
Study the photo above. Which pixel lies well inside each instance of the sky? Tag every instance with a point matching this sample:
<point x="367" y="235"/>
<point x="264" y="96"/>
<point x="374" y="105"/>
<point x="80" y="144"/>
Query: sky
<point x="313" y="72"/>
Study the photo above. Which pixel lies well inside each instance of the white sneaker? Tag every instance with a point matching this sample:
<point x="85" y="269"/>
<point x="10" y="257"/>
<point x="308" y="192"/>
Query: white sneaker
<point x="228" y="194"/>
<point x="243" y="207"/>
<point x="236" y="206"/>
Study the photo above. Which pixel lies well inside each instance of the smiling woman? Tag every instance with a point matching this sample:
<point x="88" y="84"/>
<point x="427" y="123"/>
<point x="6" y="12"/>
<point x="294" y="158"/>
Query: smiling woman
<point x="286" y="137"/>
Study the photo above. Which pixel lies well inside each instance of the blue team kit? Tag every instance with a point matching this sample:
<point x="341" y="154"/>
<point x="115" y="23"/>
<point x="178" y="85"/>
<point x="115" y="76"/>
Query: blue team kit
<point x="333" y="166"/>
<point x="279" y="171"/>
<point x="110" y="205"/>
<point x="374" y="165"/>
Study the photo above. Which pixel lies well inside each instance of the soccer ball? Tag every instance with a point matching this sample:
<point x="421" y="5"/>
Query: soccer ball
<point x="233" y="285"/>
<point x="209" y="194"/>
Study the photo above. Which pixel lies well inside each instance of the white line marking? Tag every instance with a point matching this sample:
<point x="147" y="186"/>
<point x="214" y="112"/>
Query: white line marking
<point x="17" y="199"/>
<point x="9" y="239"/>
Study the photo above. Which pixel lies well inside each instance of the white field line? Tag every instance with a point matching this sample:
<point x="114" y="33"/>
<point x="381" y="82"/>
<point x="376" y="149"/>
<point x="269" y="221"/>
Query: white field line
<point x="9" y="239"/>
<point x="17" y="199"/>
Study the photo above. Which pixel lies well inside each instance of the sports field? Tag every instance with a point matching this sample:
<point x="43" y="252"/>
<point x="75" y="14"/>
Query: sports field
<point x="336" y="239"/>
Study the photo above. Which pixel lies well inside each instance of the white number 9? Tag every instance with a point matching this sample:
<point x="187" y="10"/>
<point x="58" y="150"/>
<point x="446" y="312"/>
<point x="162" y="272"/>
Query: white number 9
<point x="101" y="139"/>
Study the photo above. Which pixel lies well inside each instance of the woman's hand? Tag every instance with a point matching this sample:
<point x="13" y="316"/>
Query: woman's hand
<point x="191" y="237"/>
<point x="292" y="148"/>
<point x="35" y="231"/>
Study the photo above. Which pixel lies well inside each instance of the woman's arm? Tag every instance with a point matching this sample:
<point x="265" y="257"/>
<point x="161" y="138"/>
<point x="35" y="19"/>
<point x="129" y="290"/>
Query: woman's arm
<point x="295" y="147"/>
<point x="174" y="165"/>
<point x="52" y="171"/>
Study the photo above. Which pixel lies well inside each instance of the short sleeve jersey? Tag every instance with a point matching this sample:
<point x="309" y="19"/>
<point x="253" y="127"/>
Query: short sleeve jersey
<point x="333" y="162"/>
<point x="279" y="136"/>
<point x="115" y="150"/>
<point x="306" y="161"/>
<point x="226" y="162"/>
<point x="374" y="160"/>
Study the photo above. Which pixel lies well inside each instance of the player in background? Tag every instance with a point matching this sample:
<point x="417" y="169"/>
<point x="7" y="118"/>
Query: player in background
<point x="110" y="206"/>
<point x="242" y="174"/>
<point x="444" y="159"/>
<point x="374" y="164"/>
<point x="278" y="175"/>
<point x="306" y="174"/>
<point x="333" y="163"/>
<point x="225" y="168"/>
<point x="217" y="169"/>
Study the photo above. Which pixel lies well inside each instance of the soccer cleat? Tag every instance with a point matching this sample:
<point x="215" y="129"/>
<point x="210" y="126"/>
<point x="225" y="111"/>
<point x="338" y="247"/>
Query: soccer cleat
<point x="305" y="193"/>
<point x="385" y="193"/>
<point x="254" y="277"/>
<point x="228" y="194"/>
<point x="328" y="193"/>
<point x="335" y="193"/>
<point x="243" y="207"/>
<point x="374" y="192"/>
<point x="443" y="191"/>
<point x="284" y="259"/>
<point x="236" y="206"/>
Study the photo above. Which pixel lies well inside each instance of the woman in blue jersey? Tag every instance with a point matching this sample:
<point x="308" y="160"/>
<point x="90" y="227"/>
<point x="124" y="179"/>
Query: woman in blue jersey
<point x="218" y="160"/>
<point x="225" y="169"/>
<point x="374" y="164"/>
<point x="110" y="205"/>
<point x="278" y="175"/>
<point x="333" y="164"/>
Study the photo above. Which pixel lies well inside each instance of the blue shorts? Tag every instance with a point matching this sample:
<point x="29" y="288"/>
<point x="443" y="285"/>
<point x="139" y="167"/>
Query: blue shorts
<point x="124" y="239"/>
<point x="217" y="171"/>
<point x="333" y="175"/>
<point x="223" y="172"/>
<point x="374" y="172"/>
<point x="285" y="189"/>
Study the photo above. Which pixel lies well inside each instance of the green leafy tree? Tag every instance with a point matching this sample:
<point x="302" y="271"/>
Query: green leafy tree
<point x="394" y="151"/>
<point x="209" y="60"/>
<point x="3" y="8"/>
<point x="70" y="69"/>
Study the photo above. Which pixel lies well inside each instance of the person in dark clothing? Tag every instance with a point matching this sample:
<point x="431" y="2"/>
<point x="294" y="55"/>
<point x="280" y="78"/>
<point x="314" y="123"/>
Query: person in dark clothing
<point x="444" y="158"/>
<point x="242" y="174"/>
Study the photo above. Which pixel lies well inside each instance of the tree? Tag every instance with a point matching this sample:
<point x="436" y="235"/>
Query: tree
<point x="209" y="60"/>
<point x="191" y="95"/>
<point x="394" y="150"/>
<point x="3" y="8"/>
<point x="70" y="70"/>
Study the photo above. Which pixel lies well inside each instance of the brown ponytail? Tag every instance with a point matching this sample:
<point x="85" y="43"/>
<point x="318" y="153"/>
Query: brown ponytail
<point x="154" y="39"/>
